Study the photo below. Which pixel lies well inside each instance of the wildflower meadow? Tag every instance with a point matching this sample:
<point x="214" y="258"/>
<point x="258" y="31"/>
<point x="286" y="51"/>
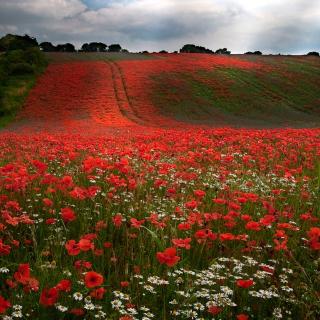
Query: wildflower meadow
<point x="111" y="209"/>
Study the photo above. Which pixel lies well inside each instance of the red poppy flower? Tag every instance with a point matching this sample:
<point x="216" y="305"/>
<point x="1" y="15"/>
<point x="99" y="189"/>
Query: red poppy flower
<point x="47" y="202"/>
<point x="51" y="221"/>
<point x="214" y="310"/>
<point x="64" y="285"/>
<point x="80" y="264"/>
<point x="85" y="245"/>
<point x="242" y="317"/>
<point x="253" y="225"/>
<point x="199" y="193"/>
<point x="49" y="297"/>
<point x="77" y="312"/>
<point x="72" y="248"/>
<point x="191" y="204"/>
<point x="245" y="283"/>
<point x="107" y="244"/>
<point x="168" y="257"/>
<point x="314" y="238"/>
<point x="67" y="215"/>
<point x="93" y="279"/>
<point x="98" y="293"/>
<point x="184" y="226"/>
<point x="182" y="243"/>
<point x="4" y="249"/>
<point x="78" y="193"/>
<point x="226" y="236"/>
<point x="136" y="223"/>
<point x="117" y="220"/>
<point x="23" y="273"/>
<point x="4" y="305"/>
<point x="32" y="284"/>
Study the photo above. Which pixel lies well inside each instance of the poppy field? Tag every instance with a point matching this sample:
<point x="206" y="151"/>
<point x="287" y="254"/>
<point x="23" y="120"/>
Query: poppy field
<point x="114" y="208"/>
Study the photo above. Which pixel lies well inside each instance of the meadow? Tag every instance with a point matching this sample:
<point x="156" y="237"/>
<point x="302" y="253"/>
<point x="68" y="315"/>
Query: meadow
<point x="180" y="186"/>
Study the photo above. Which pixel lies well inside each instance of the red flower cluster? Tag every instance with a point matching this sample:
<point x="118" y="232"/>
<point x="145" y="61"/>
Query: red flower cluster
<point x="168" y="257"/>
<point x="106" y="181"/>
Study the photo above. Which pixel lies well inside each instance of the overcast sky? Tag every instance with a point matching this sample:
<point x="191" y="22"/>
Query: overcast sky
<point x="272" y="26"/>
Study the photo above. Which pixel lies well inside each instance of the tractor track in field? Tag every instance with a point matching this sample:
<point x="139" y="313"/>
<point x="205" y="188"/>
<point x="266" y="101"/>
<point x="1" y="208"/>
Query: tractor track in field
<point x="121" y="94"/>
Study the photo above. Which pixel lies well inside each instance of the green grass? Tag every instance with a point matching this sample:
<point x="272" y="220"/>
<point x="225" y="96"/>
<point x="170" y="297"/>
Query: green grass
<point x="14" y="88"/>
<point x="284" y="92"/>
<point x="15" y="91"/>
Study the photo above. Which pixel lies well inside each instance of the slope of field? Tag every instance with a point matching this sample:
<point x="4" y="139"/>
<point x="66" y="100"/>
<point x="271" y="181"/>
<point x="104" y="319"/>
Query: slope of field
<point x="275" y="91"/>
<point x="178" y="90"/>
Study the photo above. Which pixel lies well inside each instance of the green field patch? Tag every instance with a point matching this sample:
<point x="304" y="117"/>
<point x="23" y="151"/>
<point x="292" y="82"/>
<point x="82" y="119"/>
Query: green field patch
<point x="18" y="73"/>
<point x="287" y="93"/>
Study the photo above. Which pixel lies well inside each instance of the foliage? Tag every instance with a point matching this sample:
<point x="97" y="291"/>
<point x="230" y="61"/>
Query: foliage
<point x="67" y="47"/>
<point x="313" y="53"/>
<point x="94" y="47"/>
<point x="47" y="47"/>
<point x="18" y="69"/>
<point x="16" y="42"/>
<point x="191" y="48"/>
<point x="259" y="53"/>
<point x="114" y="48"/>
<point x="223" y="51"/>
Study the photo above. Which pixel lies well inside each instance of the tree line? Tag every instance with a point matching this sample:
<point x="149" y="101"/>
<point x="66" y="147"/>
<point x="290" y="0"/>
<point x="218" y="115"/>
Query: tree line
<point x="15" y="42"/>
<point x="86" y="47"/>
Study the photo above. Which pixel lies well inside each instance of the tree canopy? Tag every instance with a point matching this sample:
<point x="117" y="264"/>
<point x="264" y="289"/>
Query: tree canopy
<point x="223" y="51"/>
<point x="192" y="48"/>
<point x="114" y="48"/>
<point x="67" y="47"/>
<point x="47" y="47"/>
<point x="16" y="42"/>
<point x="94" y="47"/>
<point x="259" y="53"/>
<point x="313" y="53"/>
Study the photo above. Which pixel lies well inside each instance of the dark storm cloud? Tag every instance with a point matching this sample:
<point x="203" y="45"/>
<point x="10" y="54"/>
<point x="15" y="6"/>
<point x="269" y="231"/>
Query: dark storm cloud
<point x="269" y="25"/>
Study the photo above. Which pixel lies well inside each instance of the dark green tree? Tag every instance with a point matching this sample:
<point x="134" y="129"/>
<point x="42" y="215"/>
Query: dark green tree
<point x="114" y="48"/>
<point x="16" y="42"/>
<point x="223" y="51"/>
<point x="67" y="47"/>
<point x="47" y="47"/>
<point x="94" y="47"/>
<point x="313" y="53"/>
<point x="192" y="48"/>
<point x="259" y="53"/>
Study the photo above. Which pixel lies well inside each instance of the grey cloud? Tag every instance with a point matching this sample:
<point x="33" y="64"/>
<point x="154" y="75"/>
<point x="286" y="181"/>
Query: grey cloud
<point x="167" y="24"/>
<point x="290" y="38"/>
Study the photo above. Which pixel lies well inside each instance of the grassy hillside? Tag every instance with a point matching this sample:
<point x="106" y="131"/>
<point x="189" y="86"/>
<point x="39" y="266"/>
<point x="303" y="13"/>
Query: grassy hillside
<point x="278" y="91"/>
<point x="214" y="90"/>
<point x="18" y="72"/>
